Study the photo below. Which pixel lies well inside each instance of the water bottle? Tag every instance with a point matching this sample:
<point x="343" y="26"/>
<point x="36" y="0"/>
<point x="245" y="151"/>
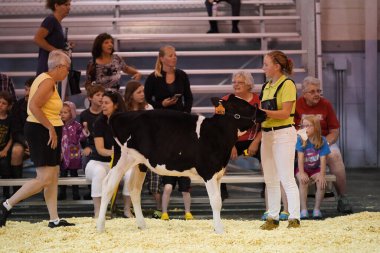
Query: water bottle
<point x="214" y="9"/>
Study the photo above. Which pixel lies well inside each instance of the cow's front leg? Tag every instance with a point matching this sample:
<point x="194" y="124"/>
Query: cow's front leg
<point x="110" y="182"/>
<point x="213" y="190"/>
<point x="135" y="185"/>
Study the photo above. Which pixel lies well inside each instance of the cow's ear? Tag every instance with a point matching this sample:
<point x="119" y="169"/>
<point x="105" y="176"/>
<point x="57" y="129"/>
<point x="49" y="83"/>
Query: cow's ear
<point x="215" y="101"/>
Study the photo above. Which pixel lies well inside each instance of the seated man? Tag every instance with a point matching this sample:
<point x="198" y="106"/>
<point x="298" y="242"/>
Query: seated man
<point x="235" y="6"/>
<point x="20" y="148"/>
<point x="311" y="103"/>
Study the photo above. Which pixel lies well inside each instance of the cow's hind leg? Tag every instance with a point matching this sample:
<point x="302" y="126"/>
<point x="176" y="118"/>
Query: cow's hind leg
<point x="109" y="185"/>
<point x="213" y="190"/>
<point x="135" y="185"/>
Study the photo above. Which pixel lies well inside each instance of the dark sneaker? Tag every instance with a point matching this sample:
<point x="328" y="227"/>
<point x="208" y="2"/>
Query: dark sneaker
<point x="294" y="223"/>
<point x="317" y="214"/>
<point x="344" y="205"/>
<point x="61" y="223"/>
<point x="213" y="31"/>
<point x="4" y="213"/>
<point x="270" y="224"/>
<point x="329" y="195"/>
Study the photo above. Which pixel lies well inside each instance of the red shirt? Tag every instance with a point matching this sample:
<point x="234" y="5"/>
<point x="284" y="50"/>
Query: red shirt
<point x="323" y="110"/>
<point x="251" y="133"/>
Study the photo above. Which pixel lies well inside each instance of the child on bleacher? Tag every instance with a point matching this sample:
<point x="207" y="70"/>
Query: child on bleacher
<point x="72" y="134"/>
<point x="5" y="139"/>
<point x="312" y="149"/>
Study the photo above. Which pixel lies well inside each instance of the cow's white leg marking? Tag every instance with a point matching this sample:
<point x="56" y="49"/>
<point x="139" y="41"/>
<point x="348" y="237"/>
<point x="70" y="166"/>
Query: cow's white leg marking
<point x="111" y="181"/>
<point x="213" y="190"/>
<point x="135" y="185"/>
<point x="198" y="127"/>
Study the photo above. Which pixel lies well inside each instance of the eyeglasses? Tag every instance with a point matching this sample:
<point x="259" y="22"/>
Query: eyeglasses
<point x="312" y="92"/>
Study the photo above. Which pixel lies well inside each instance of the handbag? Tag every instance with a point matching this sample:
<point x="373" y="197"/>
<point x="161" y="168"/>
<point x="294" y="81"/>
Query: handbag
<point x="73" y="78"/>
<point x="74" y="81"/>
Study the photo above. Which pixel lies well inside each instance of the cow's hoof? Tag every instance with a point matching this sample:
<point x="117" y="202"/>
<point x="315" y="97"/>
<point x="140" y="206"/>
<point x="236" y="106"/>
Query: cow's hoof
<point x="100" y="227"/>
<point x="141" y="226"/>
<point x="219" y="230"/>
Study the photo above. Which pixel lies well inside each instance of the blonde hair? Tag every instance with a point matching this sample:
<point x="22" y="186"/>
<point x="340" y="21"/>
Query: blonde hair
<point x="316" y="139"/>
<point x="161" y="53"/>
<point x="248" y="79"/>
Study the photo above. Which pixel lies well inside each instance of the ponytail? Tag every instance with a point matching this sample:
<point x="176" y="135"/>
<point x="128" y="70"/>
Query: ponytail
<point x="280" y="58"/>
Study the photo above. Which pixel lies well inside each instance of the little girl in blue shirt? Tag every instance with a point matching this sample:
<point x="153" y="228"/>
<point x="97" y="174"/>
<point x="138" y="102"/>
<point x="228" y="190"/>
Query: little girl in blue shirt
<point x="312" y="149"/>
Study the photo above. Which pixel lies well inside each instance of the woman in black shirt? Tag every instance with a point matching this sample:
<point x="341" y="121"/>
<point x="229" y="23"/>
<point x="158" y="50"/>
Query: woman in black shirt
<point x="99" y="164"/>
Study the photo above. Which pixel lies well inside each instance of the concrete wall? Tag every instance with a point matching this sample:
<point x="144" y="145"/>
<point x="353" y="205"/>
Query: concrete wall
<point x="345" y="35"/>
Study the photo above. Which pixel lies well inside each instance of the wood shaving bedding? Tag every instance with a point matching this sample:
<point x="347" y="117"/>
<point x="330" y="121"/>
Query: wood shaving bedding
<point x="354" y="233"/>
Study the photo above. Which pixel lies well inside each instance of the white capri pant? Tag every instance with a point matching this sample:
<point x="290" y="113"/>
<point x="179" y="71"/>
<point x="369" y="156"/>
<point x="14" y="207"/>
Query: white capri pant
<point x="277" y="158"/>
<point x="96" y="171"/>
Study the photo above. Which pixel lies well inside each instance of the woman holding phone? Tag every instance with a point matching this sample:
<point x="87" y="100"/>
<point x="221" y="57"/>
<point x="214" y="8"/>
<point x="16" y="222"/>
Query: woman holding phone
<point x="168" y="87"/>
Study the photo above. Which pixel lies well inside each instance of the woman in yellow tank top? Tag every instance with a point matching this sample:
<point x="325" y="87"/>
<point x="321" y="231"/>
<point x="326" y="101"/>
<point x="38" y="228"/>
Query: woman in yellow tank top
<point x="43" y="131"/>
<point x="279" y="139"/>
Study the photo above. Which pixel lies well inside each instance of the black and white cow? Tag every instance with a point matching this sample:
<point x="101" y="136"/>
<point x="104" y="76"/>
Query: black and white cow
<point x="177" y="144"/>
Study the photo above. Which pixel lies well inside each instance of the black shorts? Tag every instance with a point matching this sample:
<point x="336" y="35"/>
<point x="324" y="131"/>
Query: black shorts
<point x="37" y="137"/>
<point x="183" y="182"/>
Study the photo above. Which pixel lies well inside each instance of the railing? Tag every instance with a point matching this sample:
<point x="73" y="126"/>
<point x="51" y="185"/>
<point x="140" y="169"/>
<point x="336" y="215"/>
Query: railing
<point x="142" y="2"/>
<point x="96" y="20"/>
<point x="148" y="71"/>
<point x="163" y="36"/>
<point x="154" y="54"/>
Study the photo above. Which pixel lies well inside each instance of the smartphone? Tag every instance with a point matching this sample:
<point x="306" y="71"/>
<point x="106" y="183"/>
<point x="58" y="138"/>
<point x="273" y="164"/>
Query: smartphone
<point x="177" y="96"/>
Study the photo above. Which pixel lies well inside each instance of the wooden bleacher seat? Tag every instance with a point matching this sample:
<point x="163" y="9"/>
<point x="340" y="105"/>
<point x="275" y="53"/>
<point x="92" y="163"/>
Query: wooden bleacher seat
<point x="248" y="178"/>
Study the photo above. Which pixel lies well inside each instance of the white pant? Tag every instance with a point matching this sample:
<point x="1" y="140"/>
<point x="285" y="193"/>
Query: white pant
<point x="277" y="157"/>
<point x="96" y="171"/>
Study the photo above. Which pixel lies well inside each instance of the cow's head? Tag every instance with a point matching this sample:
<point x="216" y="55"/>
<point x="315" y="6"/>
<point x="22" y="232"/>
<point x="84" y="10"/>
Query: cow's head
<point x="245" y="114"/>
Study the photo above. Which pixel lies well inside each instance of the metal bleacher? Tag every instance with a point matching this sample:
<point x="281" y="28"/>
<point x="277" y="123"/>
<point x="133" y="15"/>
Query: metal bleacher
<point x="141" y="27"/>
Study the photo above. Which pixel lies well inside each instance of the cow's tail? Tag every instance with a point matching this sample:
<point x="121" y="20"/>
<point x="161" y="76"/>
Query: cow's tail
<point x="123" y="147"/>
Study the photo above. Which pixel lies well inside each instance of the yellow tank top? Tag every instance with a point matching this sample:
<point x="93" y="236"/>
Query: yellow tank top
<point x="51" y="108"/>
<point x="287" y="93"/>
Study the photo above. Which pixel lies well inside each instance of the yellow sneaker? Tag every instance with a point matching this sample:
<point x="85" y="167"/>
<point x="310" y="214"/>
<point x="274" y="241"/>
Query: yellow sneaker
<point x="165" y="216"/>
<point x="188" y="216"/>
